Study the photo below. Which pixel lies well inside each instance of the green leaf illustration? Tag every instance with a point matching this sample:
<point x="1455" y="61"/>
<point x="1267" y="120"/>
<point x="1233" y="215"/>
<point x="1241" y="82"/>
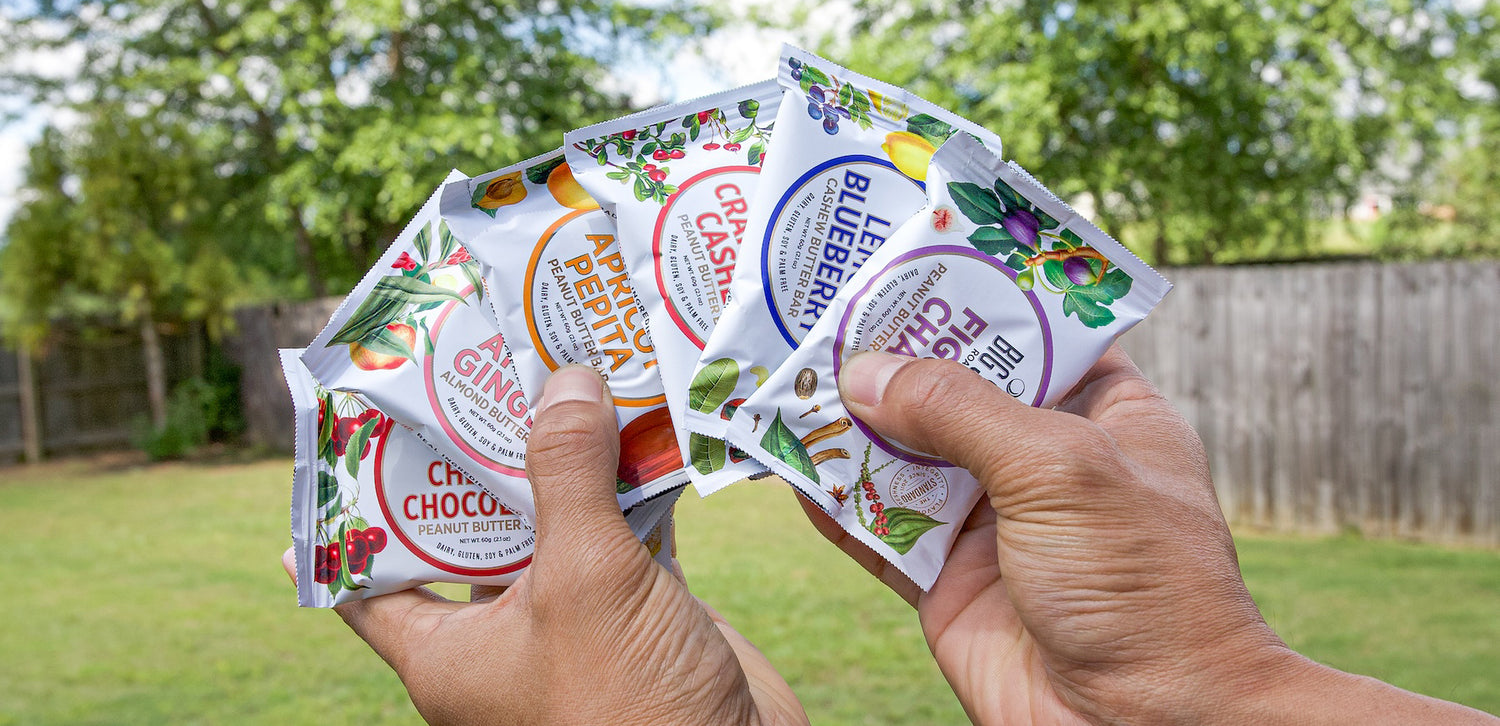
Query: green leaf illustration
<point x="980" y="205"/>
<point x="907" y="526"/>
<point x="756" y="153"/>
<point x="934" y="130"/>
<point x="423" y="242"/>
<point x="471" y="273"/>
<point x="1115" y="284"/>
<point x="1009" y="196"/>
<point x="356" y="445"/>
<point x="1089" y="310"/>
<point x="474" y="199"/>
<point x="712" y="385"/>
<point x="374" y="313"/>
<point x="706" y="452"/>
<point x="623" y="487"/>
<point x="994" y="241"/>
<point x="411" y="289"/>
<point x="780" y="442"/>
<point x="449" y="242"/>
<point x="538" y="172"/>
<point x="328" y="488"/>
<point x="846" y="95"/>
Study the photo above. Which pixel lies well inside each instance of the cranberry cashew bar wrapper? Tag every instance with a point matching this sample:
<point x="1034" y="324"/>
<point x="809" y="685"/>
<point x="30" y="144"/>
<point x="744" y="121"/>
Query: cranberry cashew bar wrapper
<point x="375" y="510"/>
<point x="995" y="273"/>
<point x="679" y="180"/>
<point x="846" y="168"/>
<point x="416" y="340"/>
<point x="560" y="290"/>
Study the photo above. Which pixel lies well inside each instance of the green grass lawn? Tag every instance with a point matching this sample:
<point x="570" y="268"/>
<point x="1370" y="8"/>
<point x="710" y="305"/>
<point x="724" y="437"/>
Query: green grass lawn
<point x="154" y="595"/>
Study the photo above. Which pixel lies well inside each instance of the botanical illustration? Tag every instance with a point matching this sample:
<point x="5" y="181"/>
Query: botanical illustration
<point x="643" y="157"/>
<point x="898" y="527"/>
<point x="382" y="331"/>
<point x="508" y="189"/>
<point x="346" y="543"/>
<point x="1029" y="241"/>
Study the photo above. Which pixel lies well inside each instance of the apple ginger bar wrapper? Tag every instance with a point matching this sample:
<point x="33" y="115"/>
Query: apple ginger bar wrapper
<point x="846" y="168"/>
<point x="417" y="340"/>
<point x="679" y="180"/>
<point x="994" y="273"/>
<point x="560" y="290"/>
<point x="375" y="510"/>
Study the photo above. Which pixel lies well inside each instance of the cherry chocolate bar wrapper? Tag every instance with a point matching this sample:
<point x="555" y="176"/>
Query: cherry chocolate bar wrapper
<point x="375" y="510"/>
<point x="994" y="273"/>
<point x="678" y="180"/>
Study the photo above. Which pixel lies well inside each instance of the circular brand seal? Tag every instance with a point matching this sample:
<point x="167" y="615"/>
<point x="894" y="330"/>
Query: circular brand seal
<point x="441" y="516"/>
<point x="920" y="487"/>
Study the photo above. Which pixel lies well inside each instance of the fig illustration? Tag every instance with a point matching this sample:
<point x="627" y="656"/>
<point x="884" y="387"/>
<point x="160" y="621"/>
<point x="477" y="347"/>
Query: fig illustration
<point x="368" y="360"/>
<point x="648" y="448"/>
<point x="909" y="152"/>
<point x="567" y="191"/>
<point x="502" y="190"/>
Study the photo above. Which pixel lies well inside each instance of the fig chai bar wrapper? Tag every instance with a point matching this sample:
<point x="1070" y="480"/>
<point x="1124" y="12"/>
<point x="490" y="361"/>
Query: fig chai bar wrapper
<point x="845" y="170"/>
<point x="375" y="510"/>
<point x="679" y="180"/>
<point x="995" y="273"/>
<point x="417" y="340"/>
<point x="560" y="291"/>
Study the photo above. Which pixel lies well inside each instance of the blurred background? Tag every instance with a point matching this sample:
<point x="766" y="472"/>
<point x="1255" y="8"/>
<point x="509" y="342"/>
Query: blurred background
<point x="186" y="185"/>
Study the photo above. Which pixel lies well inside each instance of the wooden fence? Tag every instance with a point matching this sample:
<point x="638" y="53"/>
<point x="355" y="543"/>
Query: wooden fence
<point x="1341" y="396"/>
<point x="86" y="390"/>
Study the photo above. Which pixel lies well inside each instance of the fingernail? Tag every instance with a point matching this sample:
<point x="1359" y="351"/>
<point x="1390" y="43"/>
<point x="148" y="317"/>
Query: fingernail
<point x="572" y="383"/>
<point x="864" y="378"/>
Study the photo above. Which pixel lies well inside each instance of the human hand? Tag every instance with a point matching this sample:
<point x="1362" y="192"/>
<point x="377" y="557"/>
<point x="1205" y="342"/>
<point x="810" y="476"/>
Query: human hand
<point x="1098" y="581"/>
<point x="594" y="631"/>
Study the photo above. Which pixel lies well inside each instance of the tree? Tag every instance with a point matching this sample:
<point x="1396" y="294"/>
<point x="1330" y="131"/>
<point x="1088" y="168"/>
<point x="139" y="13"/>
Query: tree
<point x="1214" y="129"/>
<point x="329" y="122"/>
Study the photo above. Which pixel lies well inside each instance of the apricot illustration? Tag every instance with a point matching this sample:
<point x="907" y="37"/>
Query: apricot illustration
<point x="567" y="191"/>
<point x="368" y="360"/>
<point x="502" y="190"/>
<point x="648" y="448"/>
<point x="909" y="152"/>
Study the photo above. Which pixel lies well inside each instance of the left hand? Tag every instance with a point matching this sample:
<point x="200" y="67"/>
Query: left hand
<point x="594" y="631"/>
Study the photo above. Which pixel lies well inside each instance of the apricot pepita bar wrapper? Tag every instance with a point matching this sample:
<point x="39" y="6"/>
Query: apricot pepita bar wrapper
<point x="417" y="339"/>
<point x="845" y="169"/>
<point x="678" y="180"/>
<point x="375" y="510"/>
<point x="560" y="291"/>
<point x="995" y="273"/>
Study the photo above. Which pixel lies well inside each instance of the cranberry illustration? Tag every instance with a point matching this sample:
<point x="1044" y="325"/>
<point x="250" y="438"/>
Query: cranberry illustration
<point x="658" y="176"/>
<point x="677" y="153"/>
<point x="704" y="116"/>
<point x="710" y="146"/>
<point x="628" y="135"/>
<point x="731" y="147"/>
<point x="660" y="155"/>
<point x="375" y="536"/>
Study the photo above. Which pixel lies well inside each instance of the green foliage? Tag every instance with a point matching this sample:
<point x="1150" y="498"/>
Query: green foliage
<point x="199" y="410"/>
<point x="1212" y="130"/>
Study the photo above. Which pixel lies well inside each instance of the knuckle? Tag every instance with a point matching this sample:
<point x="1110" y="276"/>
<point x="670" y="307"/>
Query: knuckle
<point x="569" y="441"/>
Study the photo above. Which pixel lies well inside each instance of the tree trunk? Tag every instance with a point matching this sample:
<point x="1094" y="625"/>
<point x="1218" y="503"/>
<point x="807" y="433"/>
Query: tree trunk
<point x="305" y="252"/>
<point x="156" y="372"/>
<point x="31" y="412"/>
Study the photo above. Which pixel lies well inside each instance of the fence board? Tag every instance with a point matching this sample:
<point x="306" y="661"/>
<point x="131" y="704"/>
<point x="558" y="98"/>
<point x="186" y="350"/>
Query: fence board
<point x="1353" y="396"/>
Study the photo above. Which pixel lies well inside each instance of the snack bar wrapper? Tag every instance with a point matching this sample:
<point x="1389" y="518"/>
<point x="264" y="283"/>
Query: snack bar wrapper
<point x="560" y="291"/>
<point x="416" y="339"/>
<point x="847" y="168"/>
<point x="995" y="273"/>
<point x="375" y="510"/>
<point x="679" y="180"/>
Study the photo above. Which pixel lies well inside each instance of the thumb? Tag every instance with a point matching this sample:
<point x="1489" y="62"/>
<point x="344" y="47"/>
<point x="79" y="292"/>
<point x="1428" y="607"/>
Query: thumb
<point x="571" y="458"/>
<point x="941" y="407"/>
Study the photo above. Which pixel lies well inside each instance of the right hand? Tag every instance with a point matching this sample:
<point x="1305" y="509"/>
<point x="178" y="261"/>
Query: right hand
<point x="1098" y="581"/>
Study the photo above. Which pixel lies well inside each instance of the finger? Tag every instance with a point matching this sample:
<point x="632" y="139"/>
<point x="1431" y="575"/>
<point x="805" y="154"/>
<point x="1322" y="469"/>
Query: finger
<point x="397" y="624"/>
<point x="768" y="688"/>
<point x="571" y="458"/>
<point x="942" y="407"/>
<point x="860" y="552"/>
<point x="289" y="563"/>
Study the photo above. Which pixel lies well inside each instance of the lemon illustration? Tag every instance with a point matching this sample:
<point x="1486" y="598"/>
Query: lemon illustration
<point x="566" y="190"/>
<point x="500" y="191"/>
<point x="909" y="152"/>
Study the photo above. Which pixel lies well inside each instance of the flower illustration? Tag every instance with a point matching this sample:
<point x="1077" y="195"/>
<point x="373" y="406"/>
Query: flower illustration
<point x="458" y="258"/>
<point x="405" y="262"/>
